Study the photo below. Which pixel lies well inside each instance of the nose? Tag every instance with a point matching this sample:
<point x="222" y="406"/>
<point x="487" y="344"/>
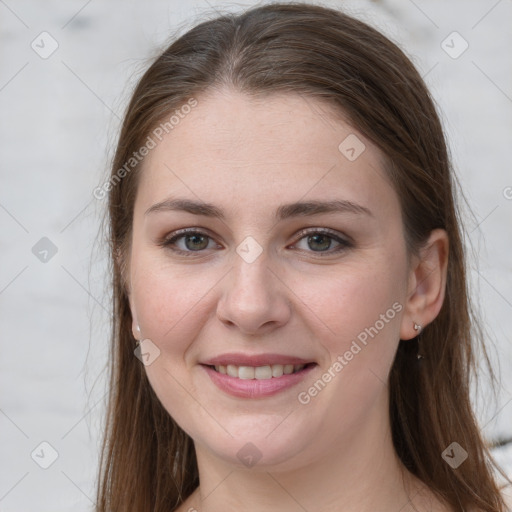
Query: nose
<point x="255" y="299"/>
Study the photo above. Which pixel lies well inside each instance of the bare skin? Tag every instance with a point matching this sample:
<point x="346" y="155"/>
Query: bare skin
<point x="420" y="500"/>
<point x="333" y="449"/>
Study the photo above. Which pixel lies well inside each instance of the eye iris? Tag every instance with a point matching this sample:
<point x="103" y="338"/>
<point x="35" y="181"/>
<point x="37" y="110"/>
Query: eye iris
<point x="314" y="239"/>
<point x="196" y="246"/>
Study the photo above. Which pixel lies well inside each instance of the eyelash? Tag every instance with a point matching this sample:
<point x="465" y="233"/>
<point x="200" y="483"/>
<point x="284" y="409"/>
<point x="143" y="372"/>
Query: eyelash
<point x="344" y="244"/>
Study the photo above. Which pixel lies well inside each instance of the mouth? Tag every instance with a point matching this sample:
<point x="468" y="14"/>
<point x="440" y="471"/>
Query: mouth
<point x="262" y="381"/>
<point x="251" y="376"/>
<point x="265" y="372"/>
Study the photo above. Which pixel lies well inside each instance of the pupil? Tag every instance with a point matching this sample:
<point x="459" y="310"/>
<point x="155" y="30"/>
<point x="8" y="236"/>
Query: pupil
<point x="195" y="245"/>
<point x="314" y="239"/>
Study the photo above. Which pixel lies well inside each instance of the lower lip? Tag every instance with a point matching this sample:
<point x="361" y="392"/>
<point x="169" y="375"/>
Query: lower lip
<point x="254" y="388"/>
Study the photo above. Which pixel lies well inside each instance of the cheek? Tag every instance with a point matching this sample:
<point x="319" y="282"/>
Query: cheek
<point x="358" y="307"/>
<point x="359" y="315"/>
<point x="170" y="306"/>
<point x="351" y="298"/>
<point x="172" y="310"/>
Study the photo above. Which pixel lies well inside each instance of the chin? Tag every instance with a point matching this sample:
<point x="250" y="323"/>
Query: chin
<point x="260" y="449"/>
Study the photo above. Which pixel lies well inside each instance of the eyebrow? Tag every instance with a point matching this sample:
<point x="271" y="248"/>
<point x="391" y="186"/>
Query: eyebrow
<point x="285" y="211"/>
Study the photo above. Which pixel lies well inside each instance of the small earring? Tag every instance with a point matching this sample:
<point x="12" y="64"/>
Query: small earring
<point x="418" y="328"/>
<point x="138" y="328"/>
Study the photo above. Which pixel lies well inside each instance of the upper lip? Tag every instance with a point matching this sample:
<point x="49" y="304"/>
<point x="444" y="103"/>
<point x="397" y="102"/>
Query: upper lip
<point x="238" y="359"/>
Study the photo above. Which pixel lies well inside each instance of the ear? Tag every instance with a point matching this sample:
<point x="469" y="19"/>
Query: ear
<point x="426" y="284"/>
<point x="121" y="265"/>
<point x="135" y="324"/>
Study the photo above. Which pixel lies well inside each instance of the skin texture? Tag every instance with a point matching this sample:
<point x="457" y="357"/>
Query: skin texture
<point x="248" y="156"/>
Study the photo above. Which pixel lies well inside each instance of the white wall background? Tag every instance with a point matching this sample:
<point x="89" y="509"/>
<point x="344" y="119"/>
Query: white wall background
<point x="58" y="122"/>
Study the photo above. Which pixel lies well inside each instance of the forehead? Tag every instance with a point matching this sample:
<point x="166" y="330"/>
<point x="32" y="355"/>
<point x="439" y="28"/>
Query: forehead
<point x="235" y="149"/>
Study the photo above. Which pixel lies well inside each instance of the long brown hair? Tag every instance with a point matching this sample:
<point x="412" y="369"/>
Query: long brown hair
<point x="148" y="462"/>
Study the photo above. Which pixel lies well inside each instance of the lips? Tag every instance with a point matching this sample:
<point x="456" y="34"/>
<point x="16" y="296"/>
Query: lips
<point x="256" y="388"/>
<point x="256" y="376"/>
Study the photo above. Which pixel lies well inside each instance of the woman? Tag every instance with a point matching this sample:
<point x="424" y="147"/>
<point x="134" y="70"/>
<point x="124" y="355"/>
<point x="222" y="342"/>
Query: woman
<point x="292" y="329"/>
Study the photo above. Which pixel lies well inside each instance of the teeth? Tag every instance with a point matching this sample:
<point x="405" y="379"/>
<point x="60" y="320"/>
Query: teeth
<point x="277" y="370"/>
<point x="232" y="370"/>
<point x="259" y="372"/>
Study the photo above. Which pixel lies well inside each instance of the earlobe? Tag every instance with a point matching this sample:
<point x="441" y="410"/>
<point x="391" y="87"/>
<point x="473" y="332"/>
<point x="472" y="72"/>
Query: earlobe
<point x="135" y="328"/>
<point x="135" y="323"/>
<point x="427" y="284"/>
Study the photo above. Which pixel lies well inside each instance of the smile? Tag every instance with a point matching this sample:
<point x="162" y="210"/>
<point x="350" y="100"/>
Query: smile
<point x="259" y="372"/>
<point x="257" y="381"/>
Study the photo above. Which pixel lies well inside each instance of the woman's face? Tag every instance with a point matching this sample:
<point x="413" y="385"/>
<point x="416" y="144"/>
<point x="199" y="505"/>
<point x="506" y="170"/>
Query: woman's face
<point x="260" y="284"/>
